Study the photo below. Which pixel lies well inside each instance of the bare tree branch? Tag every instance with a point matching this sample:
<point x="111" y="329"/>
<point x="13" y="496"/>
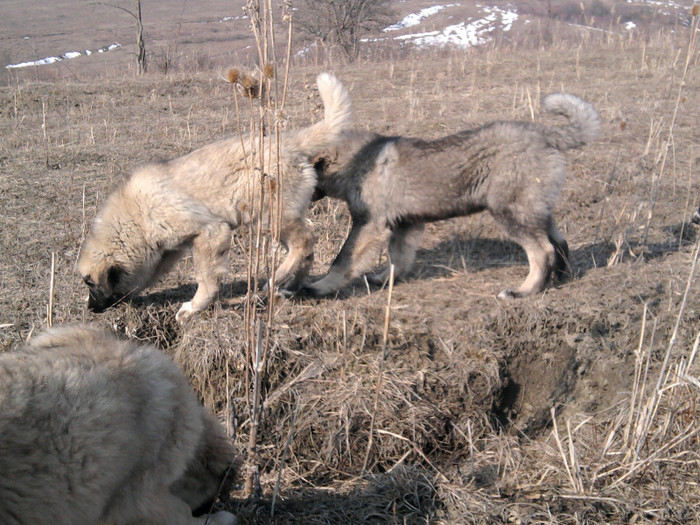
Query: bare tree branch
<point x="140" y="45"/>
<point x="342" y="23"/>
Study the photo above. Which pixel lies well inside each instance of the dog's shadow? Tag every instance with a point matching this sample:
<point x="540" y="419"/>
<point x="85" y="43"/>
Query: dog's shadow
<point x="475" y="254"/>
<point x="467" y="254"/>
<point x="405" y="495"/>
<point x="229" y="295"/>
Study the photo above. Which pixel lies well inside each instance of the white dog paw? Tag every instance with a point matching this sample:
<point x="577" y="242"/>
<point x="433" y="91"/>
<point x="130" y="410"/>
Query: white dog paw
<point x="286" y="292"/>
<point x="513" y="294"/>
<point x="507" y="294"/>
<point x="222" y="518"/>
<point x="185" y="312"/>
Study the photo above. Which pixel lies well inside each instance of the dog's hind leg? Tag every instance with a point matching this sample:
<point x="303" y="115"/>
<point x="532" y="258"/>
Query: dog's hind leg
<point x="562" y="268"/>
<point x="299" y="242"/>
<point x="540" y="255"/>
<point x="403" y="244"/>
<point x="535" y="235"/>
<point x="356" y="257"/>
<point x="210" y="250"/>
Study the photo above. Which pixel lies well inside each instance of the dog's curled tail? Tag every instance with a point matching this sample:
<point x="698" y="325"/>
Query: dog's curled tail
<point x="337" y="116"/>
<point x="583" y="121"/>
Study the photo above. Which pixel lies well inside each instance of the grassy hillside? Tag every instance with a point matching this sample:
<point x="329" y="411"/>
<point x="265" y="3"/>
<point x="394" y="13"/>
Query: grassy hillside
<point x="578" y="405"/>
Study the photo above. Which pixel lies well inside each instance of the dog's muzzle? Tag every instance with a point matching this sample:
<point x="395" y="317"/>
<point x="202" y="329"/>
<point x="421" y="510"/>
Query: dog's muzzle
<point x="98" y="303"/>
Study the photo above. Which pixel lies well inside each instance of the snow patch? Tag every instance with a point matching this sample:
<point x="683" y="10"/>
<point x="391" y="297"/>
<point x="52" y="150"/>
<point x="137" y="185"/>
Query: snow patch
<point x="472" y="32"/>
<point x="66" y="56"/>
<point x="416" y="18"/>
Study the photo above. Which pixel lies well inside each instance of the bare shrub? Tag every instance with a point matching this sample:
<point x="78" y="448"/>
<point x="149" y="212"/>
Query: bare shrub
<point x="165" y="59"/>
<point x="340" y="24"/>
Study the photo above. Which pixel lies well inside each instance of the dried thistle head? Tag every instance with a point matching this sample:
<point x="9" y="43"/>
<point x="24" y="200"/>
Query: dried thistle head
<point x="249" y="81"/>
<point x="269" y="71"/>
<point x="233" y="75"/>
<point x="272" y="185"/>
<point x="695" y="10"/>
<point x="249" y="86"/>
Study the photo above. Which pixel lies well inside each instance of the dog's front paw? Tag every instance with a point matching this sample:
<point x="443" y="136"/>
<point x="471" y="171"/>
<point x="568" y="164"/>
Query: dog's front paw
<point x="185" y="312"/>
<point x="307" y="290"/>
<point x="378" y="279"/>
<point x="508" y="294"/>
<point x="222" y="518"/>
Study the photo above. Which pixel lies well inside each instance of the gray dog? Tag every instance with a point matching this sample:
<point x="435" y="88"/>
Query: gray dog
<point x="394" y="185"/>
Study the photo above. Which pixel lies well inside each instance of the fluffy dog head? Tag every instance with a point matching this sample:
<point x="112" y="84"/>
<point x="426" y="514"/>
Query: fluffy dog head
<point x="211" y="472"/>
<point x="124" y="252"/>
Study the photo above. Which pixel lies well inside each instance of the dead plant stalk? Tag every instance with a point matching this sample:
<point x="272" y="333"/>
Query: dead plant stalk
<point x="263" y="234"/>
<point x="382" y="360"/>
<point x="49" y="307"/>
<point x="690" y="51"/>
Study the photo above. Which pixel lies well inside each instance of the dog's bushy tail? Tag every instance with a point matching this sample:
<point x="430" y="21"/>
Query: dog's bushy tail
<point x="583" y="121"/>
<point x="337" y="117"/>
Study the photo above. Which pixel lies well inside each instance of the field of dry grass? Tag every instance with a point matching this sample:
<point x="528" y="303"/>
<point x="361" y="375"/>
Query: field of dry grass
<point x="578" y="405"/>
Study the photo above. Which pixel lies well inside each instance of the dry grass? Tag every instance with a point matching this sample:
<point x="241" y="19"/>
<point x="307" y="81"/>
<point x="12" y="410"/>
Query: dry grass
<point x="463" y="429"/>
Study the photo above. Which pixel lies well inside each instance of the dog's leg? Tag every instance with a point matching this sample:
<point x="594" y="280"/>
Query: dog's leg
<point x="300" y="255"/>
<point x="403" y="244"/>
<point x="541" y="256"/>
<point x="356" y="257"/>
<point x="562" y="268"/>
<point x="210" y="250"/>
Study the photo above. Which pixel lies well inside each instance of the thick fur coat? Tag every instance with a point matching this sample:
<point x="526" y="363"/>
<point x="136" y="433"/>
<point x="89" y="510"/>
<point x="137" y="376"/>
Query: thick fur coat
<point x="394" y="185"/>
<point x="195" y="201"/>
<point x="95" y="429"/>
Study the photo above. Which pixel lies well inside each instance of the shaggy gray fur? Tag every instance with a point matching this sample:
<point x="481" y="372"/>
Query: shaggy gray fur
<point x="394" y="185"/>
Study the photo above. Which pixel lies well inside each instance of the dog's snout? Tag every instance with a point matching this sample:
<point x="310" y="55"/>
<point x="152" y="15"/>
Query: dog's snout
<point x="99" y="303"/>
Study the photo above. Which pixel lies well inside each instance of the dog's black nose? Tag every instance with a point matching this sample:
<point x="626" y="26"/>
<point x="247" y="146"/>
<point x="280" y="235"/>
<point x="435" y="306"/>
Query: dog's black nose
<point x="99" y="303"/>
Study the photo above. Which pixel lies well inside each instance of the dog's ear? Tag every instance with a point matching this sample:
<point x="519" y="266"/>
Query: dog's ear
<point x="114" y="274"/>
<point x="321" y="162"/>
<point x="89" y="281"/>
